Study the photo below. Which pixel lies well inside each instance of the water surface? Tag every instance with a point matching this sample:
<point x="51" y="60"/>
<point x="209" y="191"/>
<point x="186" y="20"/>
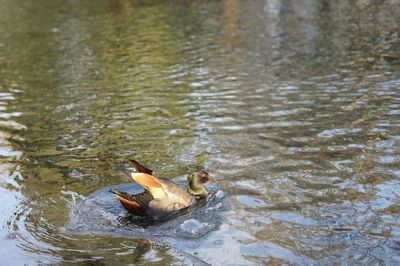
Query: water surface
<point x="293" y="107"/>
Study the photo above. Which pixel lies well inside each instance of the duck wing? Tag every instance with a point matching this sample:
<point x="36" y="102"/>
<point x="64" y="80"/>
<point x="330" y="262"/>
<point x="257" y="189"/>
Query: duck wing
<point x="136" y="204"/>
<point x="140" y="168"/>
<point x="151" y="183"/>
<point x="164" y="190"/>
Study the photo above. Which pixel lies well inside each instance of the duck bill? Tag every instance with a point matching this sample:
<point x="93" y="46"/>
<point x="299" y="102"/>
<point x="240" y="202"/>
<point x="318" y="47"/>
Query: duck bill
<point x="207" y="178"/>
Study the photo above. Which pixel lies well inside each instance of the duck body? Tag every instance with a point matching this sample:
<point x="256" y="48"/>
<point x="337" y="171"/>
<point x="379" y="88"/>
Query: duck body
<point x="161" y="196"/>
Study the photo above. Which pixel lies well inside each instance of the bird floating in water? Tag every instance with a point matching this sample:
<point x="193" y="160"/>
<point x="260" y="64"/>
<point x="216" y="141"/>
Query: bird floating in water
<point x="161" y="196"/>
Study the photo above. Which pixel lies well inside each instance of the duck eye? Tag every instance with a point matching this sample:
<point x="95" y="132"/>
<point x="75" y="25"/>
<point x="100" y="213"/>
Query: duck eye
<point x="205" y="177"/>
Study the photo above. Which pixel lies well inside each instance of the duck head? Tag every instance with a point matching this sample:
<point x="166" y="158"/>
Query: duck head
<point x="196" y="183"/>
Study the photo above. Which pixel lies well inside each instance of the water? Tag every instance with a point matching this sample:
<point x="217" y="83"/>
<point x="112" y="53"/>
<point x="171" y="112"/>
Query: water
<point x="292" y="107"/>
<point x="101" y="214"/>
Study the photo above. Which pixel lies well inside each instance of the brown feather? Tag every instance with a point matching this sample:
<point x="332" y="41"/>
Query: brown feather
<point x="135" y="203"/>
<point x="131" y="206"/>
<point x="140" y="168"/>
<point x="145" y="180"/>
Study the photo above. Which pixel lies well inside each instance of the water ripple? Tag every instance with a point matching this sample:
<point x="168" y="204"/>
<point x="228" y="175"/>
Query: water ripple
<point x="292" y="108"/>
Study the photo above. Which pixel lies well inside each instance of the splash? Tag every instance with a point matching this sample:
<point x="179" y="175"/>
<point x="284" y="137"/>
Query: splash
<point x="100" y="213"/>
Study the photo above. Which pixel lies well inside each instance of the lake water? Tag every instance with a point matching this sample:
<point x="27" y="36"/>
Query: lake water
<point x="292" y="106"/>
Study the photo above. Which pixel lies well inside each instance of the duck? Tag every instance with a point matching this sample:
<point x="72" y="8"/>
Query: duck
<point x="161" y="196"/>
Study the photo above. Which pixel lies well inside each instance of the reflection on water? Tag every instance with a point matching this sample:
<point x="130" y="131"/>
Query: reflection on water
<point x="292" y="105"/>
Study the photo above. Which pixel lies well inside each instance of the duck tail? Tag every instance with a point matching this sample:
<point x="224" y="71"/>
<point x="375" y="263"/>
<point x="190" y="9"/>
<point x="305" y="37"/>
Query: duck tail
<point x="128" y="202"/>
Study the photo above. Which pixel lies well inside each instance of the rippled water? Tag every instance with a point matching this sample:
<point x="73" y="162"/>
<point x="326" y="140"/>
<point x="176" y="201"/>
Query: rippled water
<point x="293" y="107"/>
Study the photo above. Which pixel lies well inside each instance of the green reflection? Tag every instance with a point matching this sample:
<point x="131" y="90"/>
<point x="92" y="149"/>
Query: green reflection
<point x="100" y="82"/>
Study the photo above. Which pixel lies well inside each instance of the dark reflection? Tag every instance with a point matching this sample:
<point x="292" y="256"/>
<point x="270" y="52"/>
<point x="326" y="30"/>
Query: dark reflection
<point x="292" y="105"/>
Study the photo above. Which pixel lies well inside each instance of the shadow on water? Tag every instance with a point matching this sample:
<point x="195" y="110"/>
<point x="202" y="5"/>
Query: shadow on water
<point x="102" y="214"/>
